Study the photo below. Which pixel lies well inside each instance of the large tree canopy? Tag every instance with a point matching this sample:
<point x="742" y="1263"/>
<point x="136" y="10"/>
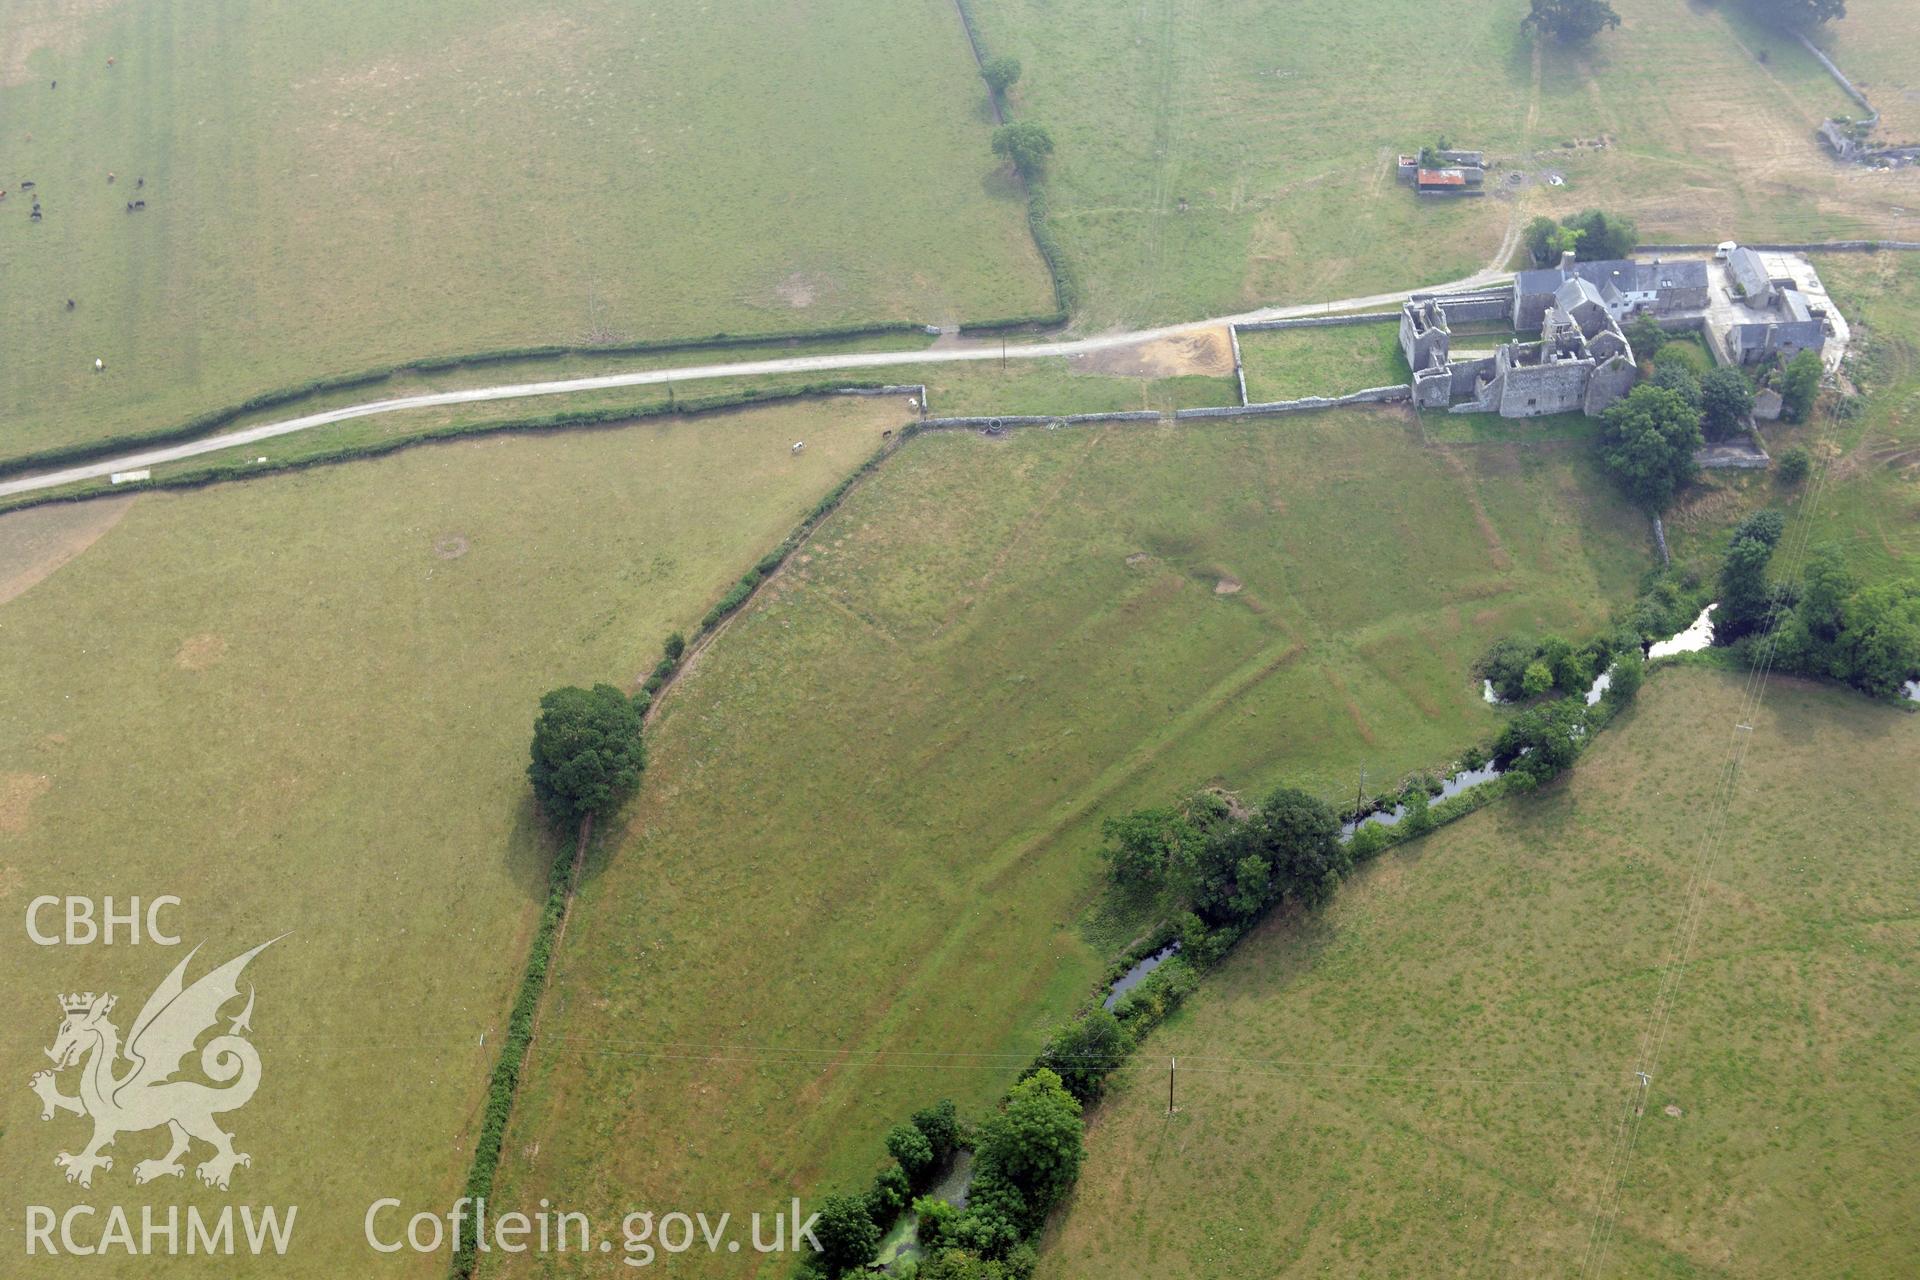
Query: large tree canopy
<point x="1647" y="441"/>
<point x="1571" y="21"/>
<point x="587" y="754"/>
<point x="1025" y="144"/>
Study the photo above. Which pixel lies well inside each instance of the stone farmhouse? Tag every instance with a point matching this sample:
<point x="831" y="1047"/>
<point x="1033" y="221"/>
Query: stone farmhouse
<point x="1624" y="286"/>
<point x="1756" y="307"/>
<point x="1770" y="316"/>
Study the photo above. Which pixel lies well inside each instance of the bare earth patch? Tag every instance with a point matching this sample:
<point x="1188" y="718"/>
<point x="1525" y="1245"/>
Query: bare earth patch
<point x="18" y="791"/>
<point x="35" y="542"/>
<point x="197" y="653"/>
<point x="1207" y="352"/>
<point x="1227" y="587"/>
<point x="450" y="546"/>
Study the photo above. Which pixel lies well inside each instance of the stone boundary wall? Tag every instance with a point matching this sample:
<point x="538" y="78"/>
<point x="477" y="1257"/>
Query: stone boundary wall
<point x="1311" y="322"/>
<point x="1239" y="365"/>
<point x="1469" y="307"/>
<point x="899" y="389"/>
<point x="1818" y="246"/>
<point x="1399" y="394"/>
<point x="1839" y="76"/>
<point x="1049" y="419"/>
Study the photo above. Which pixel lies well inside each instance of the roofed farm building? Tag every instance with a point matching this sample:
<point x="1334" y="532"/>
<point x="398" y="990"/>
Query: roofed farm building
<point x="1762" y="306"/>
<point x="1444" y="172"/>
<point x="1624" y="286"/>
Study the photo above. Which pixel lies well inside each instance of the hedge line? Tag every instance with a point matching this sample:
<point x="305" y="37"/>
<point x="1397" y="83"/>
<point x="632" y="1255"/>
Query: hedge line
<point x="513" y="1053"/>
<point x="1066" y="291"/>
<point x="742" y="591"/>
<point x="213" y="419"/>
<point x="218" y="472"/>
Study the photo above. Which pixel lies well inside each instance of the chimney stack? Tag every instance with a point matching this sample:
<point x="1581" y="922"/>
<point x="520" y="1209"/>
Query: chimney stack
<point x="1566" y="262"/>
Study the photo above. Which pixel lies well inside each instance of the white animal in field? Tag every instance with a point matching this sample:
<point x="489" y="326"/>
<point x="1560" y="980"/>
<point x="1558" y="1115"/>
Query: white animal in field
<point x="99" y="364"/>
<point x="798" y="445"/>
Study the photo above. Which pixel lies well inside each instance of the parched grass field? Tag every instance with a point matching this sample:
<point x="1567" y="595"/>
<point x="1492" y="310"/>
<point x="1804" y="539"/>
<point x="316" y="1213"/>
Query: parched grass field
<point x="856" y="875"/>
<point x="303" y="703"/>
<point x="1216" y="157"/>
<point x="1284" y="364"/>
<point x="1430" y="1077"/>
<point x="341" y="186"/>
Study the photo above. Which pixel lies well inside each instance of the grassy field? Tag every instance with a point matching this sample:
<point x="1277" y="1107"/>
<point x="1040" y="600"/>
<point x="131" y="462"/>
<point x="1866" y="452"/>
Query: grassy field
<point x="1213" y="158"/>
<point x="1052" y="386"/>
<point x="333" y="187"/>
<point x="1283" y="364"/>
<point x="1868" y="502"/>
<point x="1429" y="1078"/>
<point x="302" y="703"/>
<point x="851" y="882"/>
<point x="1875" y="47"/>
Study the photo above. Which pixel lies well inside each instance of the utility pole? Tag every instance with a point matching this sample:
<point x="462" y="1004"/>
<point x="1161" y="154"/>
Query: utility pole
<point x="1003" y="355"/>
<point x="671" y="408"/>
<point x="1173" y="1065"/>
<point x="1360" y="796"/>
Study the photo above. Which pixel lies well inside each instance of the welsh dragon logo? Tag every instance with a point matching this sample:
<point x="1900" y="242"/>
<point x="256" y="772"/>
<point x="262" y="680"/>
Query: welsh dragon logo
<point x="144" y="1094"/>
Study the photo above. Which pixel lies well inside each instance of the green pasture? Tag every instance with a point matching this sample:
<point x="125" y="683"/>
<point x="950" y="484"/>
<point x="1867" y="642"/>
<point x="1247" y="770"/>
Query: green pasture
<point x="1214" y="158"/>
<point x="851" y="881"/>
<point x="1285" y="364"/>
<point x="1431" y="1077"/>
<point x="336" y="187"/>
<point x="302" y="705"/>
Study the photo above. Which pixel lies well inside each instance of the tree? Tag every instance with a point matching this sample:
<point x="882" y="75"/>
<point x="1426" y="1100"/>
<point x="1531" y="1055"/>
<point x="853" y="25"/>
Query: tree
<point x="1726" y="398"/>
<point x="1000" y="72"/>
<point x="1647" y="442"/>
<point x="1571" y="21"/>
<point x="1024" y="144"/>
<point x="1565" y="240"/>
<point x="935" y="1221"/>
<point x="1645" y="336"/>
<point x="1538" y="237"/>
<point x="888" y="1195"/>
<point x="1035" y="1143"/>
<point x="1746" y="600"/>
<point x="941" y="1126"/>
<point x="1879" y="645"/>
<point x="1797" y="13"/>
<point x="1540" y="742"/>
<point x="675" y="646"/>
<point x="1538" y="680"/>
<point x="1602" y="236"/>
<point x="1794" y="464"/>
<point x="1765" y="525"/>
<point x="1628" y="672"/>
<point x="587" y="753"/>
<point x="1299" y="837"/>
<point x="1144" y="847"/>
<point x="910" y="1147"/>
<point x="1799" y="385"/>
<point x="1675" y="373"/>
<point x="846" y="1234"/>
<point x="1505" y="668"/>
<point x="1083" y="1052"/>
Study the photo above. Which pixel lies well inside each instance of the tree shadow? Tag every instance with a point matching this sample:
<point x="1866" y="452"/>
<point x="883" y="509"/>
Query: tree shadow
<point x="1002" y="183"/>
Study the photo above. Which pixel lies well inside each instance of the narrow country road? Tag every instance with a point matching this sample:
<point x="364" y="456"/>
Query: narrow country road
<point x="967" y="350"/>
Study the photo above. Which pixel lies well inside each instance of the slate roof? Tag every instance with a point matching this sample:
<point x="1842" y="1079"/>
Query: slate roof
<point x="1624" y="275"/>
<point x="1749" y="272"/>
